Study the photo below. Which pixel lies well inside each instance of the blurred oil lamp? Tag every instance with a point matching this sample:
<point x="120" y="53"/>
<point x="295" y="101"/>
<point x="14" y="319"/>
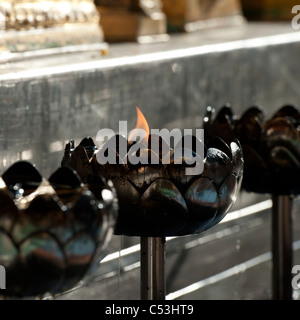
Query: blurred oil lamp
<point x="140" y="21"/>
<point x="34" y="25"/>
<point x="192" y="15"/>
<point x="53" y="232"/>
<point x="157" y="198"/>
<point x="271" y="149"/>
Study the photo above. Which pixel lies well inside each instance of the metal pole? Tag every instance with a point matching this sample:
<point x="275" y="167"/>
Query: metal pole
<point x="282" y="247"/>
<point x="153" y="268"/>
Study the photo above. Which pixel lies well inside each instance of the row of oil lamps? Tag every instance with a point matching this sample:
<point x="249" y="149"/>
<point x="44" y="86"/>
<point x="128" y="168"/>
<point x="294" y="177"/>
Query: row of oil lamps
<point x="55" y="231"/>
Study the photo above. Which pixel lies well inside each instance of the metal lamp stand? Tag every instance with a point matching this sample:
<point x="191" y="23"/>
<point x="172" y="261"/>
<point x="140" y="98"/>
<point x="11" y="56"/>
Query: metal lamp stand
<point x="282" y="247"/>
<point x="153" y="268"/>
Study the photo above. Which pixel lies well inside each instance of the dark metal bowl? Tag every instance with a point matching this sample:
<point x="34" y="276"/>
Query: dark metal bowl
<point x="271" y="146"/>
<point x="161" y="200"/>
<point x="52" y="232"/>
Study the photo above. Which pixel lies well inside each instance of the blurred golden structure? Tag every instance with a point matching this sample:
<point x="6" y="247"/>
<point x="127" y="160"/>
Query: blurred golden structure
<point x="30" y="25"/>
<point x="133" y="20"/>
<point x="191" y="15"/>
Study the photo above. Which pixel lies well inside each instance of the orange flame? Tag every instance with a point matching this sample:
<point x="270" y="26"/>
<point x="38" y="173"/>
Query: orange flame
<point x="141" y="123"/>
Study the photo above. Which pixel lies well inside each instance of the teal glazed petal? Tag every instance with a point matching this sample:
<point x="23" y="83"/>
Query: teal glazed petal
<point x="43" y="213"/>
<point x="217" y="166"/>
<point x="202" y="201"/>
<point x="220" y="144"/>
<point x="45" y="247"/>
<point x="162" y="210"/>
<point x="79" y="252"/>
<point x="43" y="265"/>
<point x="80" y="249"/>
<point x="227" y="196"/>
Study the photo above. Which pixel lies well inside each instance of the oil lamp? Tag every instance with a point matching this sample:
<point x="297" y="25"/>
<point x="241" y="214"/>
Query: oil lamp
<point x="271" y="148"/>
<point x="53" y="232"/>
<point x="160" y="200"/>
